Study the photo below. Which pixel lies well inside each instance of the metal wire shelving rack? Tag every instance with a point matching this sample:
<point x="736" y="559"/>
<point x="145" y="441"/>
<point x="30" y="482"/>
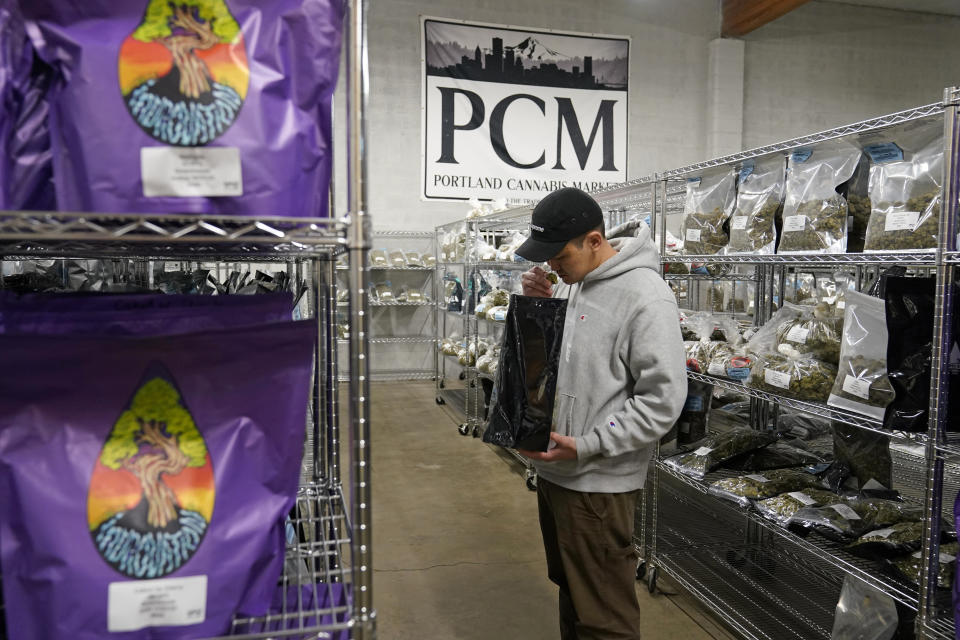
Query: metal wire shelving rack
<point x="326" y="589"/>
<point x="761" y="604"/>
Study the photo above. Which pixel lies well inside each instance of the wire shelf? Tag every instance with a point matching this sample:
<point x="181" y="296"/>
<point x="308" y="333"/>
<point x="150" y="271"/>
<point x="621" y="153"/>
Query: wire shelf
<point x="395" y="375"/>
<point x="735" y="277"/>
<point x="487" y="265"/>
<point x="68" y="234"/>
<point x="425" y="303"/>
<point x="314" y="591"/>
<point x="399" y="233"/>
<point x="395" y="340"/>
<point x="951" y="257"/>
<point x="825" y="259"/>
<point x="864" y="126"/>
<point x="941" y="627"/>
<point x="387" y="268"/>
<point x="831" y="553"/>
<point x="811" y="408"/>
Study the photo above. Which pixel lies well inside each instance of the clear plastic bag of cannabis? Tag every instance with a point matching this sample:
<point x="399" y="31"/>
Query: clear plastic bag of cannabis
<point x="814" y="212"/>
<point x="712" y="451"/>
<point x="778" y="455"/>
<point x="897" y="539"/>
<point x="905" y="197"/>
<point x="710" y="201"/>
<point x="854" y="517"/>
<point x="759" y="199"/>
<point x="784" y="506"/>
<point x="814" y="331"/>
<point x="791" y="373"/>
<point x="862" y="383"/>
<point x="865" y="453"/>
<point x="758" y="486"/>
<point x="863" y="613"/>
<point x="908" y="565"/>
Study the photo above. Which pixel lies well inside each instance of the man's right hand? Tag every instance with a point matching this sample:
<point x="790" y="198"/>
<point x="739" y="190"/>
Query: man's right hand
<point x="535" y="283"/>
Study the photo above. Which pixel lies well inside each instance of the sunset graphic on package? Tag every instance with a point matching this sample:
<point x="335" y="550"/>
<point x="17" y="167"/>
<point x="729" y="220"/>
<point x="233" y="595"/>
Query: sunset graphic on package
<point x="183" y="72"/>
<point x="152" y="492"/>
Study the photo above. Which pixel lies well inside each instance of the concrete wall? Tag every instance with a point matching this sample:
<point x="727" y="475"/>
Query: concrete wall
<point x="828" y="64"/>
<point x="822" y="65"/>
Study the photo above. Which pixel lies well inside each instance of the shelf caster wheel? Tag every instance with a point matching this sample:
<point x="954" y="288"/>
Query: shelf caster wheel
<point x="463" y="375"/>
<point x="463" y="429"/>
<point x="440" y="400"/>
<point x="531" y="483"/>
<point x="443" y="385"/>
<point x="641" y="570"/>
<point x="476" y="432"/>
<point x="652" y="580"/>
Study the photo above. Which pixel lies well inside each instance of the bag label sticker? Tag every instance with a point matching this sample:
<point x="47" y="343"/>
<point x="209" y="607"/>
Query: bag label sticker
<point x="717" y="369"/>
<point x="802" y="498"/>
<point x="776" y="378"/>
<point x="757" y="478"/>
<point x="901" y="221"/>
<point x="190" y="172"/>
<point x="739" y="223"/>
<point x="746" y="169"/>
<point x="165" y="602"/>
<point x="845" y="511"/>
<point x="702" y="451"/>
<point x="693" y="235"/>
<point x="881" y="533"/>
<point x="801" y="155"/>
<point x="882" y="152"/>
<point x="857" y="387"/>
<point x="946" y="558"/>
<point x="793" y="224"/>
<point x="798" y="334"/>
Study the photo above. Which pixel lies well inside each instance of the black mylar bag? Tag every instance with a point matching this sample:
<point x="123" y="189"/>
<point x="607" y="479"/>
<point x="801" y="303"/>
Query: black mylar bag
<point x="910" y="310"/>
<point x="522" y="403"/>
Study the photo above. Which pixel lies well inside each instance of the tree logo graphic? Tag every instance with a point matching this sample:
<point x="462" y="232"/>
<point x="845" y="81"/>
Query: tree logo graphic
<point x="183" y="71"/>
<point x="152" y="491"/>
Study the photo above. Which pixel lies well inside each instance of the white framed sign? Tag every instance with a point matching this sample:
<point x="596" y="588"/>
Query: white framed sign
<point x="510" y="112"/>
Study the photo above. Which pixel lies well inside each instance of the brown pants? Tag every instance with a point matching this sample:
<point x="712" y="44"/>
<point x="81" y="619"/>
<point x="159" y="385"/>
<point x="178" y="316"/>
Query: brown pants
<point x="588" y="538"/>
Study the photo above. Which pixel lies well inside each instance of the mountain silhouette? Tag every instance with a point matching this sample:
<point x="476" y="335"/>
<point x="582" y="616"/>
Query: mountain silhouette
<point x="531" y="46"/>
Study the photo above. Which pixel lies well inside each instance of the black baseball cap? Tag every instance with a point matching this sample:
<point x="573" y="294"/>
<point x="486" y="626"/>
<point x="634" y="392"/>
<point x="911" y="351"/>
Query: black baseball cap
<point x="560" y="217"/>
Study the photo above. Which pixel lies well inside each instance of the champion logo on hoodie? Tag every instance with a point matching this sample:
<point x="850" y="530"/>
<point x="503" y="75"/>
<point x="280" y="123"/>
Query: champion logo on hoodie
<point x="583" y="317"/>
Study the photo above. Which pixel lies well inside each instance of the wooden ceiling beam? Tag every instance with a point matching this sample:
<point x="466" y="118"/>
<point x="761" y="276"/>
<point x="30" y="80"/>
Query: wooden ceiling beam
<point x="740" y="17"/>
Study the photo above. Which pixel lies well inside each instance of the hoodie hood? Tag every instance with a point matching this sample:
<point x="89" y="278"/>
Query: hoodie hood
<point x="632" y="253"/>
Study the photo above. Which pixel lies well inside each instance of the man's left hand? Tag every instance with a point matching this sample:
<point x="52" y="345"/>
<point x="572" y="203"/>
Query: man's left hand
<point x="565" y="449"/>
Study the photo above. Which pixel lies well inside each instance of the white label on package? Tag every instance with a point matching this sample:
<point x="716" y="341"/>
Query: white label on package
<point x="794" y="223"/>
<point x="946" y="558"/>
<point x="798" y="334"/>
<point x="167" y="602"/>
<point x="776" y="378"/>
<point x="845" y="511"/>
<point x="757" y="478"/>
<point x="186" y="172"/>
<point x="739" y="222"/>
<point x="803" y="498"/>
<point x="702" y="451"/>
<point x="841" y="304"/>
<point x="717" y="369"/>
<point x="857" y="387"/>
<point x="901" y="221"/>
<point x="881" y="533"/>
<point x="693" y="235"/>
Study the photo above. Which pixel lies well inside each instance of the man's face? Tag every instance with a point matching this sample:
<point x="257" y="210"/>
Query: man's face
<point x="573" y="262"/>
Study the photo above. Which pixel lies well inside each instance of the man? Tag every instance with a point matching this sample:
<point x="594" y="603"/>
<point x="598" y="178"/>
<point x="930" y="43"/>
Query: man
<point x="621" y="385"/>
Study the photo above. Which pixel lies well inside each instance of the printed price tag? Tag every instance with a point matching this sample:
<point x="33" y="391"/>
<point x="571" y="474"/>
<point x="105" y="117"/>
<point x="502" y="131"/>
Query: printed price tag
<point x="803" y="498"/>
<point x="776" y="378"/>
<point x="739" y="222"/>
<point x="845" y="511"/>
<point x="794" y="223"/>
<point x="758" y="478"/>
<point x="166" y="602"/>
<point x="881" y="533"/>
<point x="901" y="221"/>
<point x="693" y="235"/>
<point x="702" y="451"/>
<point x="185" y="172"/>
<point x="857" y="387"/>
<point x="798" y="334"/>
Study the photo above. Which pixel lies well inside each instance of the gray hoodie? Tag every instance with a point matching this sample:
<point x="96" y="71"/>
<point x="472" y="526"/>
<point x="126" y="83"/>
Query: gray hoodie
<point x="622" y="379"/>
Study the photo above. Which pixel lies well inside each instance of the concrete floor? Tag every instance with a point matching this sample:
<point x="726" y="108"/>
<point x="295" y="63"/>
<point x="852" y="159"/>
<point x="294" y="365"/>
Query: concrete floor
<point x="457" y="550"/>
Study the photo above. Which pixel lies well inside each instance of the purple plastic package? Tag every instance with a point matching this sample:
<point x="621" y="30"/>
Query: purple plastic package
<point x="190" y="106"/>
<point x="26" y="165"/>
<point x="137" y="314"/>
<point x="144" y="482"/>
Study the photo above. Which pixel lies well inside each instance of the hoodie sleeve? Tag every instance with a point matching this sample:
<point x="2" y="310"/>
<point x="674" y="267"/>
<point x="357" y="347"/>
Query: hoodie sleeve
<point x="654" y="349"/>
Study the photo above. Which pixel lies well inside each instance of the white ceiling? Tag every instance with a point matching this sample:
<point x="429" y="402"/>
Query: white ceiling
<point x="945" y="7"/>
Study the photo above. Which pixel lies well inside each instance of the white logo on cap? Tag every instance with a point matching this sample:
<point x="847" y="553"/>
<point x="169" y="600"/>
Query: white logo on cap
<point x="536" y="228"/>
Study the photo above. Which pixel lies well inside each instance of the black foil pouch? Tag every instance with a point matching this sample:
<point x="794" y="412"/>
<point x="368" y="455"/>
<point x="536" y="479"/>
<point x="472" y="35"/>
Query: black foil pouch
<point x="866" y="453"/>
<point x="695" y="417"/>
<point x="523" y="395"/>
<point x="909" y="309"/>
